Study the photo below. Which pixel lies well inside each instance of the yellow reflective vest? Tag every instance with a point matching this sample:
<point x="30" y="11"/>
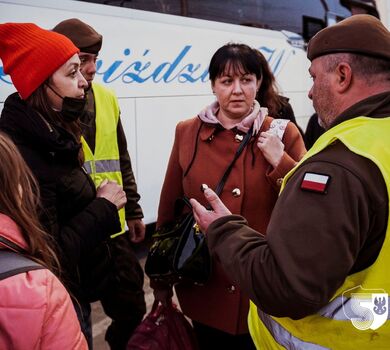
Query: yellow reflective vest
<point x="339" y="325"/>
<point x="104" y="163"/>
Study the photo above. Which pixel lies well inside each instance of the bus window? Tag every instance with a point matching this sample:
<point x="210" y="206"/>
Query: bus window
<point x="277" y="15"/>
<point x="272" y="14"/>
<point x="299" y="16"/>
<point x="170" y="7"/>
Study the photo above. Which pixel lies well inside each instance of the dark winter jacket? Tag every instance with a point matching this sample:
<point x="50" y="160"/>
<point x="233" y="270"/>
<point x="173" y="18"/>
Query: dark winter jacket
<point x="71" y="213"/>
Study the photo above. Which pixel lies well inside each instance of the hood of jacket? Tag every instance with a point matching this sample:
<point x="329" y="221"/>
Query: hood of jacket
<point x="255" y="117"/>
<point x="27" y="126"/>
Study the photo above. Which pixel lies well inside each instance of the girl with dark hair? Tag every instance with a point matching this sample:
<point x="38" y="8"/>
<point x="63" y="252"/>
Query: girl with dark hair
<point x="42" y="120"/>
<point x="33" y="300"/>
<point x="203" y="148"/>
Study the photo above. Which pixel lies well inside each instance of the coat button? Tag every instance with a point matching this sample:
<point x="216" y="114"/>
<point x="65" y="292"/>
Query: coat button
<point x="279" y="181"/>
<point x="236" y="192"/>
<point x="231" y="289"/>
<point x="238" y="137"/>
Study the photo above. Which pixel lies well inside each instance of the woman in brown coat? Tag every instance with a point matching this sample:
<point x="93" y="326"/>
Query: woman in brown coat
<point x="203" y="148"/>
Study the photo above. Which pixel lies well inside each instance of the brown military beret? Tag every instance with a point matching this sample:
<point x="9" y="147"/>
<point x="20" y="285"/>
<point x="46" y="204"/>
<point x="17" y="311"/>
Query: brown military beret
<point x="81" y="34"/>
<point x="360" y="34"/>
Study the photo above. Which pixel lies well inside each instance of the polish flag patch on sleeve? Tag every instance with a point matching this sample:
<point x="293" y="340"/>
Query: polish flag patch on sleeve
<point x="315" y="182"/>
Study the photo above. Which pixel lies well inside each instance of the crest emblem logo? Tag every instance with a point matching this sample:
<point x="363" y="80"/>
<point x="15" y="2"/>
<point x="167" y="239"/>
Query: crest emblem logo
<point x="367" y="309"/>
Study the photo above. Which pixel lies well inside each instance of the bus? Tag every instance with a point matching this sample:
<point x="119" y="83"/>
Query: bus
<point x="155" y="57"/>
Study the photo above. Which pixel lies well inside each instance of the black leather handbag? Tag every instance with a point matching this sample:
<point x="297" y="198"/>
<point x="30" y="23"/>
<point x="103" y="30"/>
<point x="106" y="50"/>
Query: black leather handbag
<point x="159" y="262"/>
<point x="179" y="251"/>
<point x="192" y="259"/>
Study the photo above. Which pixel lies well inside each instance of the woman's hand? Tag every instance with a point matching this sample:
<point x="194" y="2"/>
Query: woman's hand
<point x="271" y="146"/>
<point x="114" y="193"/>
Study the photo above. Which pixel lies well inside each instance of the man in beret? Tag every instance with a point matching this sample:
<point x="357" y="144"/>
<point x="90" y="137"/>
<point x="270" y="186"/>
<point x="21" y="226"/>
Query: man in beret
<point x="113" y="275"/>
<point x="318" y="277"/>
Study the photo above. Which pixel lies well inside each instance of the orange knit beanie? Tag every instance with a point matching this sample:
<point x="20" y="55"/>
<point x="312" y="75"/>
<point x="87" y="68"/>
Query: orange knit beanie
<point x="31" y="54"/>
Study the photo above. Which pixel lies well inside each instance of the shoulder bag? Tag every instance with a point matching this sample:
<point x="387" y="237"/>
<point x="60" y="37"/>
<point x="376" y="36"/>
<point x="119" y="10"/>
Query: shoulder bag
<point x="179" y="251"/>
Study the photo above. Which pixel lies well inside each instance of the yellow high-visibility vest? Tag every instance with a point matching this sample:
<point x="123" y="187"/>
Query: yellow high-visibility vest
<point x="336" y="326"/>
<point x="104" y="162"/>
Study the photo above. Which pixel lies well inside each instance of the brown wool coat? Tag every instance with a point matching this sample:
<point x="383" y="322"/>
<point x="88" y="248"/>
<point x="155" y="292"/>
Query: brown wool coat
<point x="219" y="303"/>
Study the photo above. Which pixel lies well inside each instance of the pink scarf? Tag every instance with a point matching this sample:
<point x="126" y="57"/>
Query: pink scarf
<point x="255" y="117"/>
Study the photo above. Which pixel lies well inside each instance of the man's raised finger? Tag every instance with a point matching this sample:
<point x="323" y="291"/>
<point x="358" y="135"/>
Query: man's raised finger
<point x="215" y="202"/>
<point x="197" y="207"/>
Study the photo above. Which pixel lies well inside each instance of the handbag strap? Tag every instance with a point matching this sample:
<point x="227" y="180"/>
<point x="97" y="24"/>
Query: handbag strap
<point x="243" y="144"/>
<point x="226" y="174"/>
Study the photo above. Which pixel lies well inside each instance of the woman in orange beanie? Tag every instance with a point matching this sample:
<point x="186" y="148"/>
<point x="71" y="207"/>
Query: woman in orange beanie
<point x="42" y="120"/>
<point x="31" y="299"/>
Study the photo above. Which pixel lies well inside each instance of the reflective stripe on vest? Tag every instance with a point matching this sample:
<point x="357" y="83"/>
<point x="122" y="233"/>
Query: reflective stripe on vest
<point x="336" y="310"/>
<point x="103" y="166"/>
<point x="335" y="325"/>
<point x="284" y="337"/>
<point x="339" y="308"/>
<point x="104" y="162"/>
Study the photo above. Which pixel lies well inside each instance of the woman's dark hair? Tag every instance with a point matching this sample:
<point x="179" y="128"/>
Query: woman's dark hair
<point x="268" y="95"/>
<point x="243" y="59"/>
<point x="240" y="57"/>
<point x="39" y="101"/>
<point x="19" y="197"/>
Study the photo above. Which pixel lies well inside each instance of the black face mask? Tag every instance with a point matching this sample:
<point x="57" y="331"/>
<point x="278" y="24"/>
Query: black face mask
<point x="72" y="108"/>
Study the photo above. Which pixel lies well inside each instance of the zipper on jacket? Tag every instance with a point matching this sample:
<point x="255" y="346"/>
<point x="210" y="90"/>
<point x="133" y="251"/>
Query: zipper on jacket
<point x="46" y="122"/>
